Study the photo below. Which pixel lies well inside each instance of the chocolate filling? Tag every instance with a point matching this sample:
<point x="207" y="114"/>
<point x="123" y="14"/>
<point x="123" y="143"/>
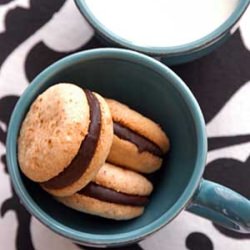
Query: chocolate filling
<point x="87" y="149"/>
<point x="105" y="194"/>
<point x="142" y="143"/>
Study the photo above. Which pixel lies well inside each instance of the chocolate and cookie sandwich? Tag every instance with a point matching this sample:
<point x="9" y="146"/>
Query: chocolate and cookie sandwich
<point x="114" y="193"/>
<point x="138" y="143"/>
<point x="65" y="138"/>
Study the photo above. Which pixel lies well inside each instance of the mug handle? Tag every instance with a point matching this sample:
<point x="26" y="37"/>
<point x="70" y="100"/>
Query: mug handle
<point x="221" y="205"/>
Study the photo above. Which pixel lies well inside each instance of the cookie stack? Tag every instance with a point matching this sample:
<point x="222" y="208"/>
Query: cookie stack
<point x="89" y="152"/>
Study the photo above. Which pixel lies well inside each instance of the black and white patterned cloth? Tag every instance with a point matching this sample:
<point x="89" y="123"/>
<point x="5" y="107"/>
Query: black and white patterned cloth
<point x="35" y="33"/>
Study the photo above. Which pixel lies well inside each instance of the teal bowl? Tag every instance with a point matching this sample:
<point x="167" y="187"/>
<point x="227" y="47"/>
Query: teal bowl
<point x="149" y="87"/>
<point x="171" y="55"/>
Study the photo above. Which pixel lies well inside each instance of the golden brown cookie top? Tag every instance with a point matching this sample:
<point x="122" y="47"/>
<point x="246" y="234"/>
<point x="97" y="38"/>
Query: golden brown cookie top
<point x="138" y="123"/>
<point x="52" y="131"/>
<point x="123" y="180"/>
<point x="104" y="209"/>
<point x="98" y="158"/>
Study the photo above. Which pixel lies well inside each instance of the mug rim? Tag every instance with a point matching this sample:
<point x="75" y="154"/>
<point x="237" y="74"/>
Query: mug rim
<point x="182" y="49"/>
<point x="32" y="91"/>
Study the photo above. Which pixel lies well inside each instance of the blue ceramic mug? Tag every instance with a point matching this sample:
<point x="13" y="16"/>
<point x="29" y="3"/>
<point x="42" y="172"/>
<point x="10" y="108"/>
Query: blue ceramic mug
<point x="170" y="55"/>
<point x="157" y="92"/>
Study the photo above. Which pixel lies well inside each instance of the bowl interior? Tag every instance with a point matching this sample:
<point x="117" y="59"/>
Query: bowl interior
<point x="146" y="91"/>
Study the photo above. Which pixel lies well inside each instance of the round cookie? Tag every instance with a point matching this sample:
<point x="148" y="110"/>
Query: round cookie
<point x="65" y="138"/>
<point x="114" y="193"/>
<point x="138" y="142"/>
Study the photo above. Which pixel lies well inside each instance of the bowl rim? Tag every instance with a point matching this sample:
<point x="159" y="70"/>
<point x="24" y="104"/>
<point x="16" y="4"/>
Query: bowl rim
<point x="34" y="88"/>
<point x="185" y="49"/>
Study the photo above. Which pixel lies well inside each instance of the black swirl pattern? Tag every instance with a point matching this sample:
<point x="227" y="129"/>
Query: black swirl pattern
<point x="216" y="77"/>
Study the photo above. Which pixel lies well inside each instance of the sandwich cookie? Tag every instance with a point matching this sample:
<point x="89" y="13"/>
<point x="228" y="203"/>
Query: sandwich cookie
<point x="114" y="193"/>
<point x="138" y="142"/>
<point x="65" y="138"/>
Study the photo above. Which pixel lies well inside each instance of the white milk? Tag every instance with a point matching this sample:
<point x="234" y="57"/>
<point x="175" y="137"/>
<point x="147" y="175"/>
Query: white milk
<point x="162" y="23"/>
